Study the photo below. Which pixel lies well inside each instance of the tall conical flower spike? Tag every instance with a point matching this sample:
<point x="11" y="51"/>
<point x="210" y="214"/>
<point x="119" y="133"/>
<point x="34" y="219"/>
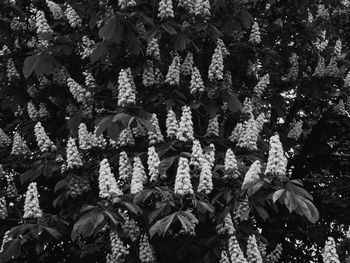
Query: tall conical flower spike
<point x="4" y="139"/>
<point x="19" y="145"/>
<point x="155" y="136"/>
<point x="173" y="75"/>
<point x="107" y="183"/>
<point x="253" y="253"/>
<point x="139" y="176"/>
<point x="196" y="84"/>
<point x="216" y="68"/>
<point x="252" y="175"/>
<point x="126" y="91"/>
<point x="255" y="36"/>
<point x="202" y="8"/>
<point x="72" y="16"/>
<point x="44" y="142"/>
<point x="213" y="127"/>
<point x="125" y="167"/>
<point x="185" y="132"/>
<point x="165" y="9"/>
<point x="277" y="162"/>
<point x="153" y="163"/>
<point x="230" y="164"/>
<point x="146" y="251"/>
<point x="197" y="154"/>
<point x="172" y="125"/>
<point x="183" y="184"/>
<point x="187" y="65"/>
<point x="205" y="179"/>
<point x="236" y="254"/>
<point x="73" y="156"/>
<point x="119" y="251"/>
<point x="31" y="203"/>
<point x="153" y="49"/>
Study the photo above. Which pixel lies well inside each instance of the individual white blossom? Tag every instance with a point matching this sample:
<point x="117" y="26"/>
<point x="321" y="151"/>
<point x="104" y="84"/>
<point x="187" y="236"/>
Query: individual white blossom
<point x="55" y="9"/>
<point x="255" y="35"/>
<point x="216" y="68"/>
<point x="123" y="4"/>
<point x="213" y="127"/>
<point x="205" y="178"/>
<point x="44" y="142"/>
<point x="139" y="176"/>
<point x="165" y="9"/>
<point x="185" y="131"/>
<point x="253" y="253"/>
<point x="183" y="184"/>
<point x="252" y="175"/>
<point x="72" y="16"/>
<point x="5" y="140"/>
<point x="5" y="50"/>
<point x="173" y="75"/>
<point x="187" y="65"/>
<point x="197" y="154"/>
<point x="202" y="8"/>
<point x="153" y="163"/>
<point x="156" y="136"/>
<point x="277" y="162"/>
<point x="196" y="84"/>
<point x="31" y="203"/>
<point x="148" y="75"/>
<point x="19" y="146"/>
<point x="235" y="252"/>
<point x="262" y="249"/>
<point x="153" y="49"/>
<point x="118" y="250"/>
<point x="125" y="167"/>
<point x="73" y="156"/>
<point x="296" y="130"/>
<point x="126" y="91"/>
<point x="310" y="17"/>
<point x="172" y="124"/>
<point x="42" y="27"/>
<point x="107" y="183"/>
<point x="146" y="251"/>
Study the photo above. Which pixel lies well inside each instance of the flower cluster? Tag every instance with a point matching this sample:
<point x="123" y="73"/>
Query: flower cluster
<point x="332" y="69"/>
<point x="126" y="90"/>
<point x="155" y="136"/>
<point x="106" y="181"/>
<point x="262" y="84"/>
<point x="187" y="65"/>
<point x="19" y="145"/>
<point x="173" y="75"/>
<point x="252" y="175"/>
<point x="236" y="133"/>
<point x="153" y="163"/>
<point x="79" y="93"/>
<point x="183" y="184"/>
<point x="253" y="253"/>
<point x="224" y="257"/>
<point x="131" y="229"/>
<point x="202" y="8"/>
<point x="320" y="69"/>
<point x="321" y="42"/>
<point x="216" y="68"/>
<point x="296" y="130"/>
<point x="188" y="5"/>
<point x="126" y="3"/>
<point x="275" y="255"/>
<point x="3" y="208"/>
<point x="126" y="138"/>
<point x="294" y="68"/>
<point x="72" y="16"/>
<point x="209" y="154"/>
<point x="11" y="71"/>
<point x="338" y="49"/>
<point x="139" y="130"/>
<point x="197" y="154"/>
<point x="148" y="74"/>
<point x="330" y="253"/>
<point x="125" y="167"/>
<point x="322" y="12"/>
<point x="139" y="176"/>
<point x="236" y="254"/>
<point x="277" y="162"/>
<point x="32" y="111"/>
<point x="213" y="127"/>
<point x="153" y="49"/>
<point x="146" y="250"/>
<point x="43" y="112"/>
<point x="255" y="35"/>
<point x="119" y="251"/>
<point x="73" y="156"/>
<point x="78" y="185"/>
<point x="185" y="131"/>
<point x="165" y="9"/>
<point x="231" y="167"/>
<point x="249" y="135"/>
<point x="55" y="9"/>
<point x="87" y="47"/>
<point x="44" y="142"/>
<point x="196" y="84"/>
<point x="172" y="124"/>
<point x="42" y="27"/>
<point x="31" y="203"/>
<point x="5" y="140"/>
<point x="205" y="179"/>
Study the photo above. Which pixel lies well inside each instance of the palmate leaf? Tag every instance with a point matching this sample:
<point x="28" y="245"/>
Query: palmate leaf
<point x="42" y="63"/>
<point x="162" y="225"/>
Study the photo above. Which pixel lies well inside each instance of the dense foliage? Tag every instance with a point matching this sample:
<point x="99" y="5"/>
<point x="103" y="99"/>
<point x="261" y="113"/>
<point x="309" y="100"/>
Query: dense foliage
<point x="174" y="131"/>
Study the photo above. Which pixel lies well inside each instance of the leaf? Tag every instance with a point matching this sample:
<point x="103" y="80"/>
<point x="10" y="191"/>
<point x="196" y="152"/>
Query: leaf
<point x="246" y="18"/>
<point x="122" y="118"/>
<point x="12" y="250"/>
<point x="231" y="100"/>
<point x="166" y="163"/>
<point x="290" y="201"/>
<point x="145" y="122"/>
<point x="42" y="63"/>
<point x="276" y="195"/>
<point x="169" y="29"/>
<point x="60" y="184"/>
<point x="131" y="207"/>
<point x="30" y="174"/>
<point x="74" y="122"/>
<point x="255" y="187"/>
<point x="104" y="123"/>
<point x="308" y="209"/>
<point x="86" y="225"/>
<point x="52" y="232"/>
<point x="203" y="207"/>
<point x="154" y="214"/>
<point x="162" y="226"/>
<point x="262" y="212"/>
<point x="298" y="190"/>
<point x="112" y="30"/>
